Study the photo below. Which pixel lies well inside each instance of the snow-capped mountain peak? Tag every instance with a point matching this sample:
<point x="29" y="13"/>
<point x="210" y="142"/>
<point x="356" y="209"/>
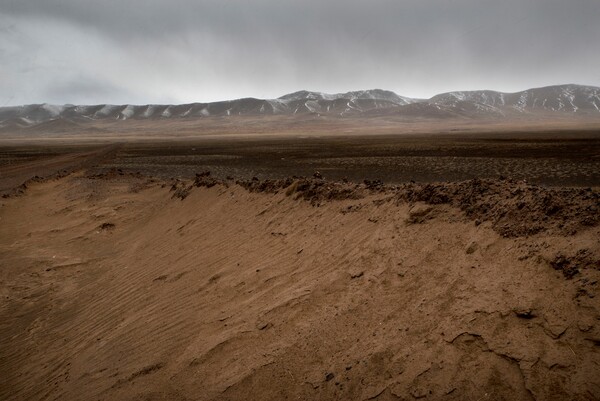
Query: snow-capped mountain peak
<point x="574" y="99"/>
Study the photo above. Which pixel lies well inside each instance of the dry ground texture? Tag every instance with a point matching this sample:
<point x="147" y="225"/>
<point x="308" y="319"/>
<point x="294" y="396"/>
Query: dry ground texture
<point x="119" y="287"/>
<point x="548" y="154"/>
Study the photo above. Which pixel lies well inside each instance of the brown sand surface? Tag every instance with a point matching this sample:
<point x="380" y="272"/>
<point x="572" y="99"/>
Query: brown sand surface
<point x="21" y="164"/>
<point x="119" y="287"/>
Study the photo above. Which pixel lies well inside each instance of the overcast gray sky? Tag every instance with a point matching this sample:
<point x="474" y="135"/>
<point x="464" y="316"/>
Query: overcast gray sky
<point x="179" y="51"/>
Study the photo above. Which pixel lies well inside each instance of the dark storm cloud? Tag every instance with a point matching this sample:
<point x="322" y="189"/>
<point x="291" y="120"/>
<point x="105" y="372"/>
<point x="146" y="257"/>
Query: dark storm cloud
<point x="181" y="50"/>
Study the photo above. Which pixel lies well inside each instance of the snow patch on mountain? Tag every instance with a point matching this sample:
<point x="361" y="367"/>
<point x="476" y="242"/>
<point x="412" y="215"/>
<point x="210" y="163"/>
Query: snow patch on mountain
<point x="106" y="110"/>
<point x="53" y="110"/>
<point x="127" y="112"/>
<point x="371" y="94"/>
<point x="149" y="112"/>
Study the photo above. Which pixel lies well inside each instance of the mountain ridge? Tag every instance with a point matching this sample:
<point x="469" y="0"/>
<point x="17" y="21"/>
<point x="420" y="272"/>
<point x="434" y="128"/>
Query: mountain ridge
<point x="568" y="98"/>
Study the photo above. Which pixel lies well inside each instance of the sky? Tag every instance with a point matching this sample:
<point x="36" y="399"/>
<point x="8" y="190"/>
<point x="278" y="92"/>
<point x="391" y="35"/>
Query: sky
<point x="183" y="51"/>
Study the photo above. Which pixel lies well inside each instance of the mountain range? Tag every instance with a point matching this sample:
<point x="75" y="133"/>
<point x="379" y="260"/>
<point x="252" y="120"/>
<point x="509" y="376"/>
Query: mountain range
<point x="566" y="99"/>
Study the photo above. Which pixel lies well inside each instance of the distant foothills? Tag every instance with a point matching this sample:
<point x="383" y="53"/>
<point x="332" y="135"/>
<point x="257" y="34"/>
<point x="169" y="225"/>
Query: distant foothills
<point x="565" y="99"/>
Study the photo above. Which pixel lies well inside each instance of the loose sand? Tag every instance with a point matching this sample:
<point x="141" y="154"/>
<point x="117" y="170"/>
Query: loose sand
<point x="120" y="287"/>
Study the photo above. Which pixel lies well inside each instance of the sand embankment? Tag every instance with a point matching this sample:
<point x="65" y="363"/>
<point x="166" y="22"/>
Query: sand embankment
<point x="113" y="287"/>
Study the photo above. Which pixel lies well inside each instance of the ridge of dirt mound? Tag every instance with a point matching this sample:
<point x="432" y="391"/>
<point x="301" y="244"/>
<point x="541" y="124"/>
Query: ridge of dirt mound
<point x="514" y="208"/>
<point x="314" y="190"/>
<point x="20" y="190"/>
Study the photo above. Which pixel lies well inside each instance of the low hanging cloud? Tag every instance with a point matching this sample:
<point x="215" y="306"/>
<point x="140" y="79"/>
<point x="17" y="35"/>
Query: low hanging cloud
<point x="152" y="51"/>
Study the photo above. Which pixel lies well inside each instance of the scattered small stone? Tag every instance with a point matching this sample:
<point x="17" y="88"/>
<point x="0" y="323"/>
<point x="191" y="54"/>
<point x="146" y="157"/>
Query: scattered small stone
<point x="374" y="184"/>
<point x="263" y="325"/>
<point x="106" y="226"/>
<point x="356" y="274"/>
<point x="420" y="214"/>
<point x="180" y="190"/>
<point x="525" y="313"/>
<point x="204" y="179"/>
<point x="473" y="246"/>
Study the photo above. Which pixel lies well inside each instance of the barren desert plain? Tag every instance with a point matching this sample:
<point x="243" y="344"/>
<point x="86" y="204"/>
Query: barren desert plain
<point x="291" y="258"/>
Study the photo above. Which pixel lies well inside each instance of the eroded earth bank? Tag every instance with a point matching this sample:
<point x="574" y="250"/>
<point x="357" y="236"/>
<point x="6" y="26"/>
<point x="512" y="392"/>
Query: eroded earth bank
<point x="117" y="286"/>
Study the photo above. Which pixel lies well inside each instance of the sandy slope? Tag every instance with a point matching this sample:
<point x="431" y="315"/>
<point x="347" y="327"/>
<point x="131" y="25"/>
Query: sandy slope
<point x="112" y="289"/>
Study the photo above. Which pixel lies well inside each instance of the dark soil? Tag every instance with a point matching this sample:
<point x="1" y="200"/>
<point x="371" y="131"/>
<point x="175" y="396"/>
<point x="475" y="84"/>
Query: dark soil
<point x="564" y="159"/>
